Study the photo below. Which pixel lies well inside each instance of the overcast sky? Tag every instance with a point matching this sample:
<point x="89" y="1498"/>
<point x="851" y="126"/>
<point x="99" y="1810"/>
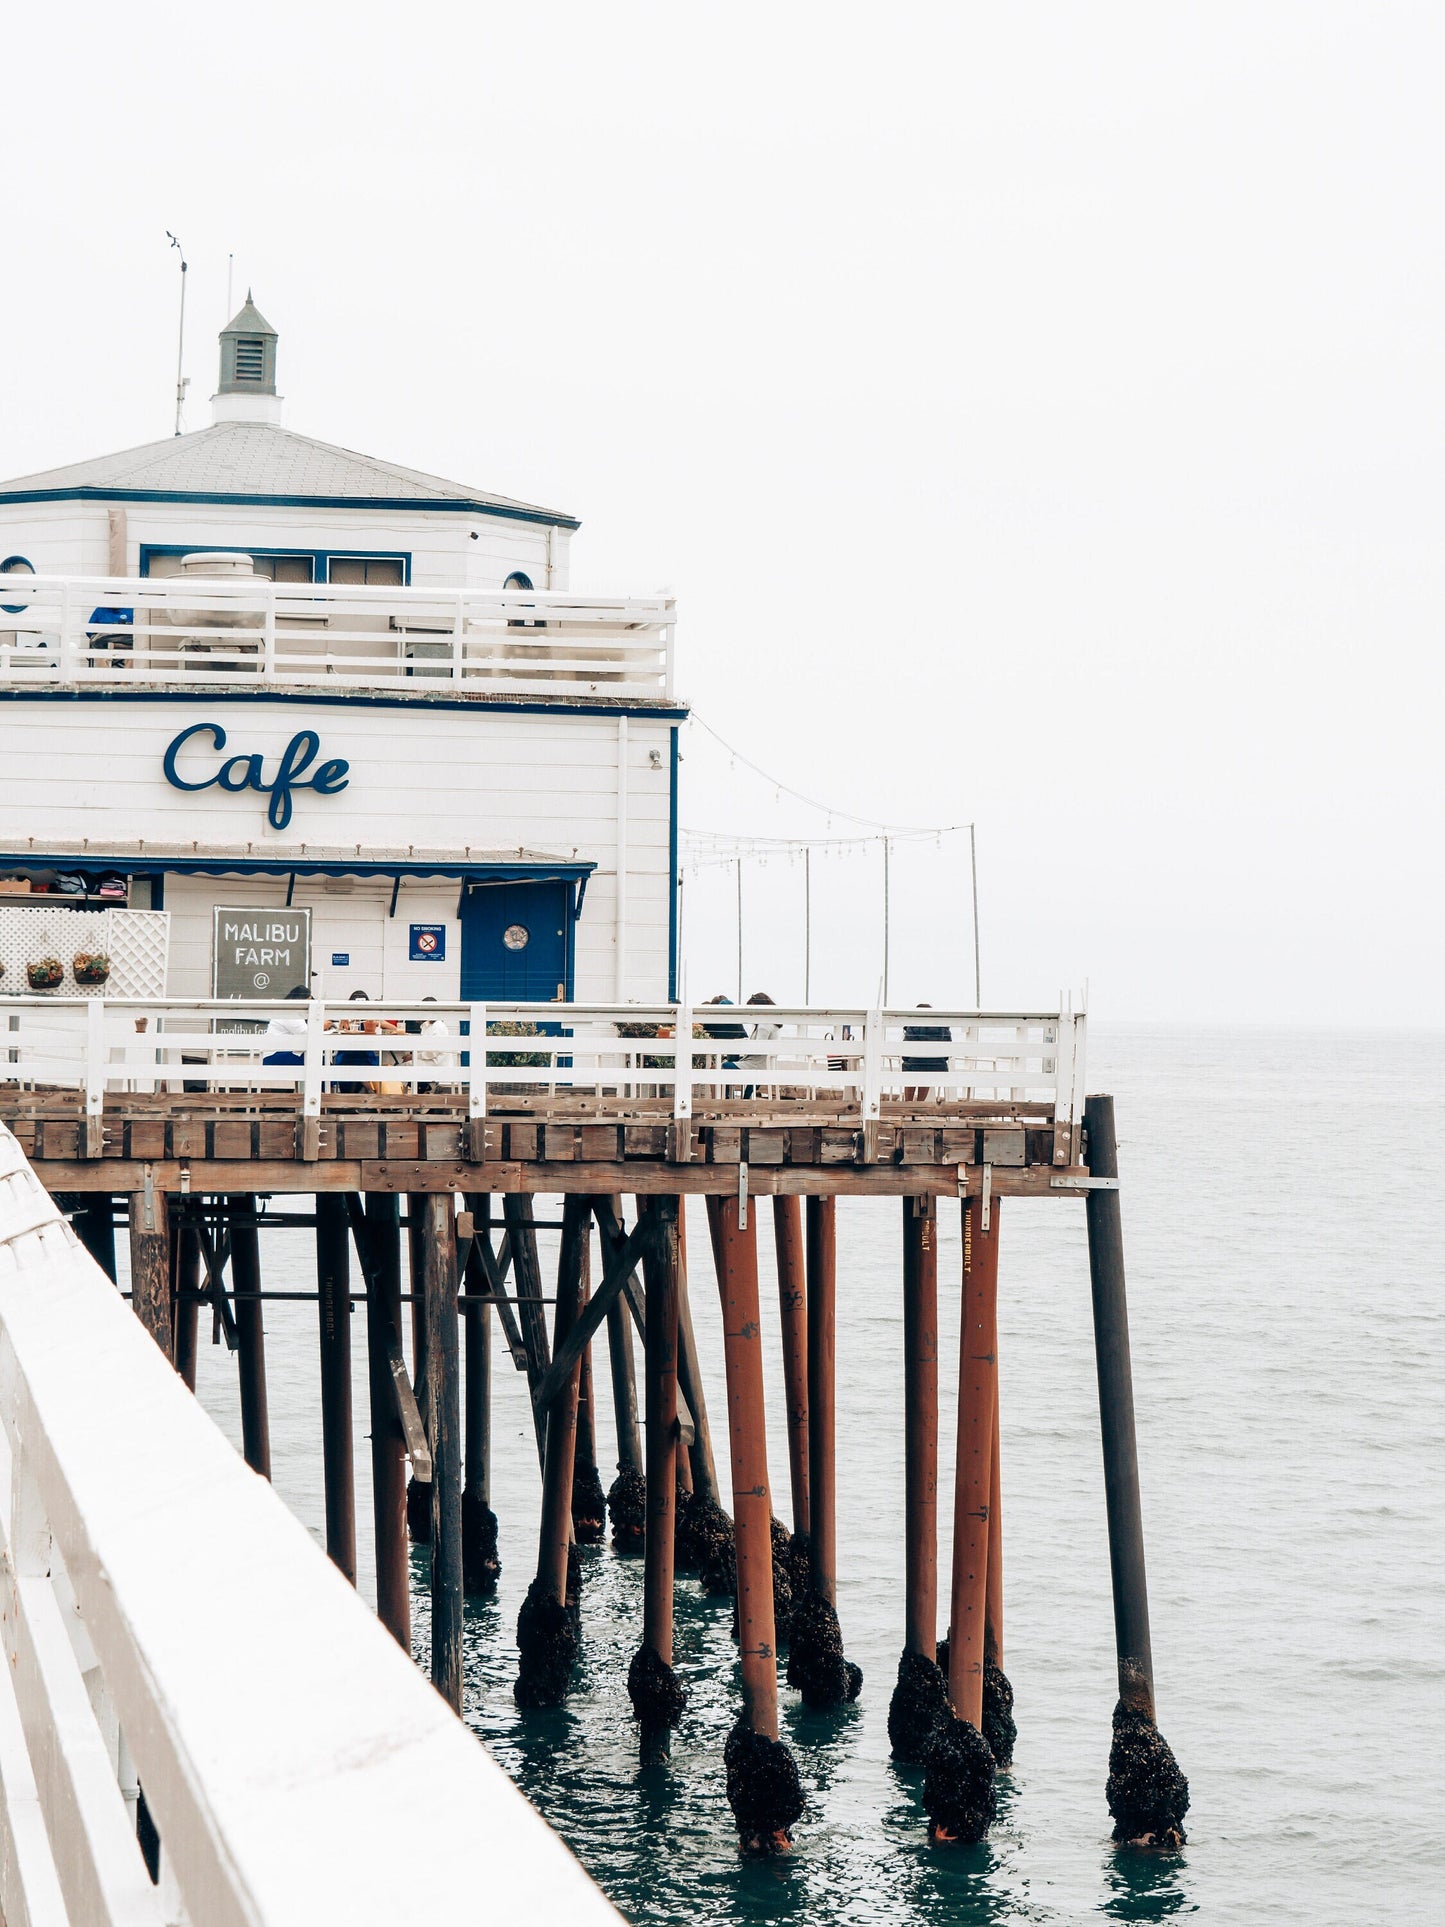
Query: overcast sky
<point x="1036" y="409"/>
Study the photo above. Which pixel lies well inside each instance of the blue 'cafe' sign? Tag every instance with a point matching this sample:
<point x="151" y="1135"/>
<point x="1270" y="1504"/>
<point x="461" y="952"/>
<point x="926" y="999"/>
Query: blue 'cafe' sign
<point x="245" y="772"/>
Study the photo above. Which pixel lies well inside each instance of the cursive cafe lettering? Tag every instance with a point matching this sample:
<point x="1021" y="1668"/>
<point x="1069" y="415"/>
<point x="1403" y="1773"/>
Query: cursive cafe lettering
<point x="245" y="772"/>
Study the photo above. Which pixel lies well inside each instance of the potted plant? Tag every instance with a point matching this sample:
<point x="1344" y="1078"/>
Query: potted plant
<point x="90" y="967"/>
<point x="45" y="973"/>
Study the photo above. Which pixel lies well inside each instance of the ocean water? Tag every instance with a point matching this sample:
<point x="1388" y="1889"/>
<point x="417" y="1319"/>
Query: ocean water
<point x="1284" y="1227"/>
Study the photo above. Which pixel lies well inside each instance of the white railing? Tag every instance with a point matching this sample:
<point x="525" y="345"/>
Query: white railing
<point x="854" y="1059"/>
<point x="167" y="1624"/>
<point x="168" y="629"/>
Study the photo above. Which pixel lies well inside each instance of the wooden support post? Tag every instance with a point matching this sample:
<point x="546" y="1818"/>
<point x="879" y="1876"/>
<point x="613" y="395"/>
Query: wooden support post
<point x="700" y="1461"/>
<point x="589" y="1503"/>
<point x="737" y="1252"/>
<point x="444" y="1430"/>
<point x="150" y="1264"/>
<point x="250" y="1333"/>
<point x="418" y="1496"/>
<point x="478" y="1479"/>
<point x="662" y="1272"/>
<point x="822" y="1463"/>
<point x="480" y="1564"/>
<point x="920" y="1424"/>
<point x="185" y="1308"/>
<point x="388" y="1441"/>
<point x="977" y="1393"/>
<point x="1116" y="1416"/>
<point x="546" y="1633"/>
<point x="333" y="1280"/>
<point x="624" y="1388"/>
<point x="573" y="1280"/>
<point x="793" y="1310"/>
<point x="94" y="1225"/>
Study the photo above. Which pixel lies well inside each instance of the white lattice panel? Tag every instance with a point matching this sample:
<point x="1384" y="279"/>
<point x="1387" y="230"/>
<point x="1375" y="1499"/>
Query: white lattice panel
<point x="136" y="941"/>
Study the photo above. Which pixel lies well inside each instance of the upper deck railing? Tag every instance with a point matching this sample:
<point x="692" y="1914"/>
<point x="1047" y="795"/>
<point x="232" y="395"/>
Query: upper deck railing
<point x="189" y="631"/>
<point x="169" y="1626"/>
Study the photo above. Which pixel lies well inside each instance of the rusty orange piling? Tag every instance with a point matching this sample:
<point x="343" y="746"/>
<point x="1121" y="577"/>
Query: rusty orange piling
<point x="977" y="1395"/>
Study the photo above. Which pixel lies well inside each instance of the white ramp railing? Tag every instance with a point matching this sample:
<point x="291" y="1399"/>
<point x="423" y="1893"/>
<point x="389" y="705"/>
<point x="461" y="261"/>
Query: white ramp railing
<point x="166" y="1621"/>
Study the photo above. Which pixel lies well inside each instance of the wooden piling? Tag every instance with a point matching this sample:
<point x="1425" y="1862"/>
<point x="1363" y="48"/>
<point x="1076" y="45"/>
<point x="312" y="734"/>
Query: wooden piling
<point x="418" y="1495"/>
<point x="444" y="1432"/>
<point x="185" y="1308"/>
<point x="477" y="1393"/>
<point x="701" y="1465"/>
<point x="333" y="1280"/>
<point x="1116" y="1416"/>
<point x="920" y="1425"/>
<point x="737" y="1253"/>
<point x="793" y="1312"/>
<point x="382" y="1231"/>
<point x="573" y="1279"/>
<point x="624" y="1388"/>
<point x="150" y="1265"/>
<point x="977" y="1393"/>
<point x="250" y="1333"/>
<point x="531" y="1311"/>
<point x="822" y="1257"/>
<point x="661" y="1272"/>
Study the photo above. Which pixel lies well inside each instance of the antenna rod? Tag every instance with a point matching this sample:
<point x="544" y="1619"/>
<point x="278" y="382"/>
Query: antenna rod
<point x="181" y="339"/>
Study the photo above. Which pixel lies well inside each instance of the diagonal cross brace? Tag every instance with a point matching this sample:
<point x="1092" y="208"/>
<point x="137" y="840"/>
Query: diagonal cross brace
<point x="620" y="1266"/>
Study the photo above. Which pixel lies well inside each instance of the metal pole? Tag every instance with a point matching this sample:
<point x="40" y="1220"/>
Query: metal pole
<point x="885" y="919"/>
<point x="973" y="872"/>
<point x="793" y="1313"/>
<point x="333" y="1280"/>
<point x="807" y="924"/>
<point x="977" y="1390"/>
<point x="920" y="1424"/>
<point x="740" y="929"/>
<point x="1116" y="1416"/>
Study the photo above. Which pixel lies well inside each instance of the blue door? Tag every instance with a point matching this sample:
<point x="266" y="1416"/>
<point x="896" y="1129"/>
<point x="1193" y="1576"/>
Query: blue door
<point x="516" y="942"/>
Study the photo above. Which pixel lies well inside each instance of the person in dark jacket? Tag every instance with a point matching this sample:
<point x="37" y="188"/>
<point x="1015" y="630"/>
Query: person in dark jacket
<point x="924" y="1034"/>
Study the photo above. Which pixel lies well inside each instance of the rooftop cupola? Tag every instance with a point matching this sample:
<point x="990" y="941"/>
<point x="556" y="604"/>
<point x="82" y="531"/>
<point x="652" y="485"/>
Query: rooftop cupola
<point x="248" y="370"/>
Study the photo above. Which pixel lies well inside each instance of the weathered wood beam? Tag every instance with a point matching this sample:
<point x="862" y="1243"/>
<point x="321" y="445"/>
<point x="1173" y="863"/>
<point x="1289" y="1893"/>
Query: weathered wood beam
<point x="620" y="1267"/>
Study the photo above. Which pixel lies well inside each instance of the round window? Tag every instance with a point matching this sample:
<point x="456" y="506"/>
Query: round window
<point x="516" y="936"/>
<point x="16" y="565"/>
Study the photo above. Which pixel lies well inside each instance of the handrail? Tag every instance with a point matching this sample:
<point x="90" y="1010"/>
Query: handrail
<point x="130" y="632"/>
<point x="856" y="1057"/>
<point x="166" y="1618"/>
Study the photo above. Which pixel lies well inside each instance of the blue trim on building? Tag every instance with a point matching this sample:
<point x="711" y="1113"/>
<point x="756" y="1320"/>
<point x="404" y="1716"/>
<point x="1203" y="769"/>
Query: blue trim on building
<point x="674" y="962"/>
<point x="207" y="695"/>
<point x="453" y="505"/>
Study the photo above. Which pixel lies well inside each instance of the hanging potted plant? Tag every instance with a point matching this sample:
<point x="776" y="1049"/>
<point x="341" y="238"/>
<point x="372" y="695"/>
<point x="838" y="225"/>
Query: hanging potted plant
<point x="45" y="973"/>
<point x="90" y="967"/>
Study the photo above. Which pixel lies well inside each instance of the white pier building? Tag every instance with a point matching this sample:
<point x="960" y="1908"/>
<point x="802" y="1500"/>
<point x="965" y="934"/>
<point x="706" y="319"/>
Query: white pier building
<point x="244" y="671"/>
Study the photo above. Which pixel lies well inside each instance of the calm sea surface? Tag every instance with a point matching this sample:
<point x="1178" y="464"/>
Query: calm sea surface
<point x="1284" y="1227"/>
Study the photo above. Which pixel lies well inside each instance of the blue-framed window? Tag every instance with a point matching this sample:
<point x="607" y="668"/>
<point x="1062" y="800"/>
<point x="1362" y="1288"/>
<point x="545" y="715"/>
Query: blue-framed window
<point x="371" y="567"/>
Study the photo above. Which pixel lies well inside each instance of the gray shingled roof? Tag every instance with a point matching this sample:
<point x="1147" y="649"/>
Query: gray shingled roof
<point x="250" y="461"/>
